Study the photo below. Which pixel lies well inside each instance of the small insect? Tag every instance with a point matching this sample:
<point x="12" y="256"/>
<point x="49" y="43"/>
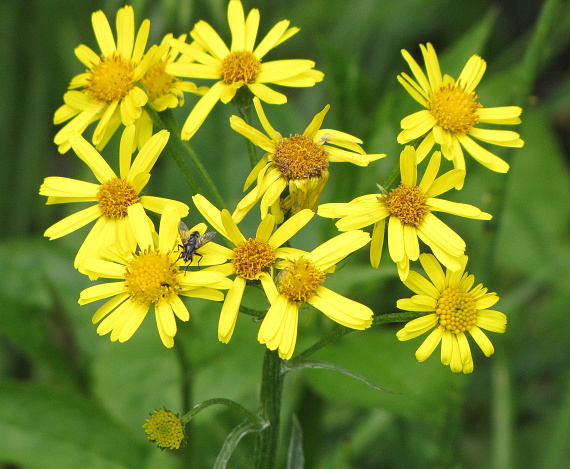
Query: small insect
<point x="325" y="138"/>
<point x="191" y="242"/>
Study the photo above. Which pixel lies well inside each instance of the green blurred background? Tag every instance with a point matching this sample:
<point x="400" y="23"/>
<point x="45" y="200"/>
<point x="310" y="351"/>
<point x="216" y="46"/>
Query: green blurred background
<point x="72" y="399"/>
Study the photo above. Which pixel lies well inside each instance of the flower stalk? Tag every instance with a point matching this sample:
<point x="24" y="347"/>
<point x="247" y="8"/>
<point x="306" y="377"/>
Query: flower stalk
<point x="266" y="442"/>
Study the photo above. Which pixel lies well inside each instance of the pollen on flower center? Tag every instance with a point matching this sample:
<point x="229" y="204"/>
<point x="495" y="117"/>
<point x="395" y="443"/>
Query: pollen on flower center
<point x="456" y="310"/>
<point x="240" y="67"/>
<point x="252" y="257"/>
<point x="300" y="281"/>
<point x="111" y="79"/>
<point x="157" y="82"/>
<point x="298" y="157"/>
<point x="454" y="108"/>
<point x="408" y="203"/>
<point x="165" y="429"/>
<point x="151" y="276"/>
<point x="115" y="196"/>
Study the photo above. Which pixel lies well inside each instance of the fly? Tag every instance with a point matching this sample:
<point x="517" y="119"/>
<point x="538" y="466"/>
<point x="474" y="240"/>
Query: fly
<point x="191" y="242"/>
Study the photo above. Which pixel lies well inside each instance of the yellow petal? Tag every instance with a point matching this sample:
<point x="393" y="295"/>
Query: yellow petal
<point x="408" y="168"/>
<point x="266" y="94"/>
<point x="335" y="249"/>
<point x="251" y="27"/>
<point x="429" y="344"/>
<point x="91" y="157"/>
<point x="230" y="309"/>
<point x="201" y="110"/>
<point x="125" y="31"/>
<point x="396" y="239"/>
<point x="236" y="20"/>
<point x="73" y="222"/>
<point x="271" y="39"/>
<point x="148" y="155"/>
<point x="98" y="292"/>
<point x="482" y="341"/>
<point x="288" y="229"/>
<point x="472" y="73"/>
<point x="103" y="32"/>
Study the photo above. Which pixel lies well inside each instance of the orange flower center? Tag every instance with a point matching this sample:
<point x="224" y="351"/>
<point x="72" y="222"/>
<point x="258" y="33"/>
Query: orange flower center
<point x="252" y="257"/>
<point x="456" y="310"/>
<point x="111" y="79"/>
<point x="240" y="67"/>
<point x="115" y="196"/>
<point x="408" y="203"/>
<point x="454" y="108"/>
<point x="157" y="82"/>
<point x="298" y="157"/>
<point x="151" y="276"/>
<point x="300" y="281"/>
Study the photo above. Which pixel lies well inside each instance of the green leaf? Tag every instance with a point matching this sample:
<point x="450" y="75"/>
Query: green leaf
<point x="247" y="426"/>
<point x="381" y="358"/>
<point x="44" y="427"/>
<point x="295" y="457"/>
<point x="320" y="365"/>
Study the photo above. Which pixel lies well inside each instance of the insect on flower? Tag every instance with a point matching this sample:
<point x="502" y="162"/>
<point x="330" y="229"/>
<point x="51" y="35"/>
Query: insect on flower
<point x="191" y="242"/>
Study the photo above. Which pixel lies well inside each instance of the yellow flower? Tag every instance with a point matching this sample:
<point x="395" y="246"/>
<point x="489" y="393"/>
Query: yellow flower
<point x="453" y="111"/>
<point x="164" y="90"/>
<point x="112" y="196"/>
<point x="298" y="163"/>
<point x="300" y="282"/>
<point x="455" y="308"/>
<point x="109" y="92"/>
<point x="150" y="277"/>
<point x="165" y="429"/>
<point x="240" y="65"/>
<point x="251" y="259"/>
<point x="409" y="210"/>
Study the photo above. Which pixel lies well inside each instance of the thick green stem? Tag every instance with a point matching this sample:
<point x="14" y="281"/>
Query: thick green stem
<point x="267" y="440"/>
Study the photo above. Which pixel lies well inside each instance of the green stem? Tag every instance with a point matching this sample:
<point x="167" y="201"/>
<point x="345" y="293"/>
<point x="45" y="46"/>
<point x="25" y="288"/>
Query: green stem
<point x="245" y="114"/>
<point x="179" y="147"/>
<point x="392" y="177"/>
<point x="220" y="401"/>
<point x="256" y="313"/>
<point x="270" y="397"/>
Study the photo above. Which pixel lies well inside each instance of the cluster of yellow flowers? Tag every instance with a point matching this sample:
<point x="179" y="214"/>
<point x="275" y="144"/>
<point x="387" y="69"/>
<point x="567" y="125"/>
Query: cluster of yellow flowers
<point x="151" y="268"/>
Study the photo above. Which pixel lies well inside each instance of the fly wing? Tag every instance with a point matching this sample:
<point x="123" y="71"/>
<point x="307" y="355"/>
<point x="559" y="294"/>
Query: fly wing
<point x="183" y="231"/>
<point x="206" y="238"/>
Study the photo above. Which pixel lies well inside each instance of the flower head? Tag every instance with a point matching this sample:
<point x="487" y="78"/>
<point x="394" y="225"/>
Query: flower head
<point x="165" y="429"/>
<point x="112" y="196"/>
<point x="109" y="91"/>
<point x="295" y="165"/>
<point x="252" y="258"/>
<point x="300" y="282"/>
<point x="409" y="211"/>
<point x="240" y="65"/>
<point x="151" y="276"/>
<point x="453" y="111"/>
<point x="455" y="308"/>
